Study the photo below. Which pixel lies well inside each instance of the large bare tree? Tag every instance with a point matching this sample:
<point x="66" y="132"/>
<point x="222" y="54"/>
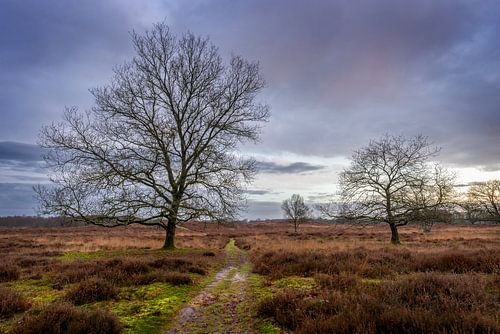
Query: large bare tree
<point x="295" y="210"/>
<point x="160" y="145"/>
<point x="392" y="181"/>
<point x="484" y="198"/>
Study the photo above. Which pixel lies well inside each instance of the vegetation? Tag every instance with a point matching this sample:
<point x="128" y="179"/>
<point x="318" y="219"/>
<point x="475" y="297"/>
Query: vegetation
<point x="66" y="276"/>
<point x="11" y="302"/>
<point x="65" y="318"/>
<point x="329" y="278"/>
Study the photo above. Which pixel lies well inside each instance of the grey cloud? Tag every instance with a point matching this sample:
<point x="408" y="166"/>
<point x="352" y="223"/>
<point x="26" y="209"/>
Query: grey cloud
<point x="291" y="168"/>
<point x="20" y="151"/>
<point x="17" y="199"/>
<point x="257" y="192"/>
<point x="338" y="72"/>
<point x="341" y="72"/>
<point x="20" y="162"/>
<point x="263" y="210"/>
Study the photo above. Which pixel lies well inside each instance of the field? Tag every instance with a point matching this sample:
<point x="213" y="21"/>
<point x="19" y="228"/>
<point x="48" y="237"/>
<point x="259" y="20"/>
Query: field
<point x="250" y="278"/>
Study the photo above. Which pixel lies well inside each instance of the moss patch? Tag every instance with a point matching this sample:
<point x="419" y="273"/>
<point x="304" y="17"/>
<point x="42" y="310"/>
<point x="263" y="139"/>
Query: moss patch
<point x="295" y="282"/>
<point x="38" y="291"/>
<point x="147" y="309"/>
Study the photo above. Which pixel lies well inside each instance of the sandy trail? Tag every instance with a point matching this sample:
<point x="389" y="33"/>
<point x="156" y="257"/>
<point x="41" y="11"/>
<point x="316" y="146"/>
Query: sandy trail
<point x="223" y="305"/>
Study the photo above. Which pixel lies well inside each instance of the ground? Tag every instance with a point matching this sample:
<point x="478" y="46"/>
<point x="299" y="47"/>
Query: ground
<point x="258" y="278"/>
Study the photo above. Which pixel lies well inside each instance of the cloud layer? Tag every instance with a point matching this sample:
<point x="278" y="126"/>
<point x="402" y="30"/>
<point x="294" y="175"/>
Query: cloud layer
<point x="338" y="74"/>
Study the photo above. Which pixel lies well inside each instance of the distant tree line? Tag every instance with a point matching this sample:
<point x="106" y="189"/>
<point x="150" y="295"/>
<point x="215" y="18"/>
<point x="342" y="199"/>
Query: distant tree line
<point x="34" y="221"/>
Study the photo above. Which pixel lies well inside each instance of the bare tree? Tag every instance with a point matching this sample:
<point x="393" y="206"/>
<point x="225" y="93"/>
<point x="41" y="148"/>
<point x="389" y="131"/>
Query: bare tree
<point x="160" y="145"/>
<point x="295" y="210"/>
<point x="392" y="181"/>
<point x="484" y="199"/>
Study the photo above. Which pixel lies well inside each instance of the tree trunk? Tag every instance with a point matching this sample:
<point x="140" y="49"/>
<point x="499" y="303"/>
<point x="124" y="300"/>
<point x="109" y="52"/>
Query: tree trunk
<point x="170" y="235"/>
<point x="395" y="234"/>
<point x="295" y="223"/>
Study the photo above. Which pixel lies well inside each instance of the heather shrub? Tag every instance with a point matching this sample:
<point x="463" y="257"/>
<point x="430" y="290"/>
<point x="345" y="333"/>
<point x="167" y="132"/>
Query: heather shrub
<point x="419" y="303"/>
<point x="91" y="290"/>
<point x="9" y="272"/>
<point x="342" y="282"/>
<point x="74" y="272"/>
<point x="66" y="318"/>
<point x="177" y="278"/>
<point x="285" y="308"/>
<point x="11" y="302"/>
<point x="170" y="263"/>
<point x="460" y="262"/>
<point x="196" y="270"/>
<point x="438" y="292"/>
<point x="208" y="253"/>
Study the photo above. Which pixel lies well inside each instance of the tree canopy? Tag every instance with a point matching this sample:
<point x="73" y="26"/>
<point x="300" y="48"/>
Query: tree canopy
<point x="160" y="145"/>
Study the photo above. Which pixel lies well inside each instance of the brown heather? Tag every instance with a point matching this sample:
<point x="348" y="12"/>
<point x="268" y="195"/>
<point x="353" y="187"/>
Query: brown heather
<point x="445" y="281"/>
<point x="419" y="303"/>
<point x="91" y="290"/>
<point x="66" y="318"/>
<point x="11" y="302"/>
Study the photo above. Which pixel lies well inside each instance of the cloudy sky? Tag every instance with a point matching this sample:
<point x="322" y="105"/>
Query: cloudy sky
<point x="338" y="73"/>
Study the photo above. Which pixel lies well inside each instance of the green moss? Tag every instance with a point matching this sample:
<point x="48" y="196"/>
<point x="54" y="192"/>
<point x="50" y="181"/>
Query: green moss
<point x="149" y="308"/>
<point x="38" y="291"/>
<point x="296" y="282"/>
<point x="72" y="256"/>
<point x="267" y="327"/>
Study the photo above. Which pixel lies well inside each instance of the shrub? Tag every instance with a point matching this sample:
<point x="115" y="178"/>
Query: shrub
<point x="11" y="302"/>
<point x="177" y="278"/>
<point x="437" y="292"/>
<point x="91" y="290"/>
<point x="208" y="253"/>
<point x="170" y="263"/>
<point x="66" y="318"/>
<point x="9" y="272"/>
<point x="196" y="270"/>
<point x="75" y="271"/>
<point x="342" y="282"/>
<point x="419" y="303"/>
<point x="460" y="261"/>
<point x="173" y="278"/>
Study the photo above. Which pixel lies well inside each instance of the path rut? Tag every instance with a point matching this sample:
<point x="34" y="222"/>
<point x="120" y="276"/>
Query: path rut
<point x="222" y="306"/>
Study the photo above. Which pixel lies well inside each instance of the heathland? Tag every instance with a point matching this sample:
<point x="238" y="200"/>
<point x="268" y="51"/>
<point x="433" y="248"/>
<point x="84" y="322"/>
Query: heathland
<point x="250" y="278"/>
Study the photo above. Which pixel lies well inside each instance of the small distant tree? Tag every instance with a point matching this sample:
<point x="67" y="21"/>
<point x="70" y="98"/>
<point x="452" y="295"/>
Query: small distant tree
<point x="295" y="210"/>
<point x="484" y="200"/>
<point x="392" y="181"/>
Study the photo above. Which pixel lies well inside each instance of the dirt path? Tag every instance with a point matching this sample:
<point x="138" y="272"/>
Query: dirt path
<point x="223" y="305"/>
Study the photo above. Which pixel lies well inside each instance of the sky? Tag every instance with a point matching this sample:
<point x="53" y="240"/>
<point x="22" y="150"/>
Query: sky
<point x="338" y="74"/>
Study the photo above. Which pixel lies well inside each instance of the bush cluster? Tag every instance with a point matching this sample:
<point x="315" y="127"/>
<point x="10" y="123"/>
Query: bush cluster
<point x="9" y="272"/>
<point x="11" y="302"/>
<point x="122" y="271"/>
<point x="66" y="318"/>
<point x="379" y="263"/>
<point x="91" y="290"/>
<point x="419" y="303"/>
